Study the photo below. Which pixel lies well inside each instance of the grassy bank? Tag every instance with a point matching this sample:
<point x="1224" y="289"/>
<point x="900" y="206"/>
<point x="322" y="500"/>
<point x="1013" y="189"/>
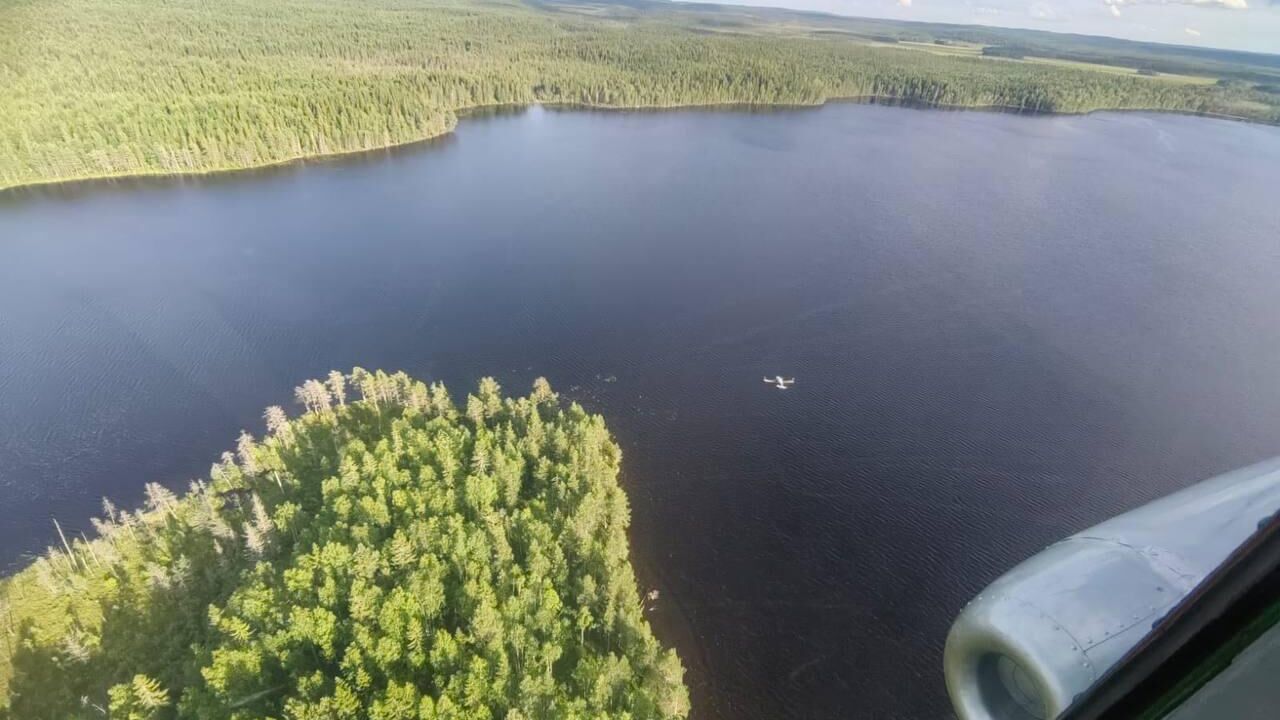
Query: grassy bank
<point x="107" y="88"/>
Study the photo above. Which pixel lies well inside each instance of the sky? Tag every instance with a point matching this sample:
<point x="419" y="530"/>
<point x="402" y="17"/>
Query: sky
<point x="1233" y="24"/>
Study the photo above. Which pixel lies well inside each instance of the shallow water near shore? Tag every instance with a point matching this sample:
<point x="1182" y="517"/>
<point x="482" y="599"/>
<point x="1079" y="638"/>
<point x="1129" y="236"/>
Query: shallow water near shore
<point x="1003" y="329"/>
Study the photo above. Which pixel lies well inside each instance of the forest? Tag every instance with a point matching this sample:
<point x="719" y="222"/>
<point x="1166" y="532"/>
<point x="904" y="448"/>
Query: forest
<point x="106" y="88"/>
<point x="385" y="554"/>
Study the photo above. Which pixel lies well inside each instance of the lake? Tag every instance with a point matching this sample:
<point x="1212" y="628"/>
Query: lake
<point x="1002" y="328"/>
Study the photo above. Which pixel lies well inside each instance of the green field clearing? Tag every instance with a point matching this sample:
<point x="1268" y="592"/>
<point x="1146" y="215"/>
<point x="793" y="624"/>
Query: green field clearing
<point x="956" y="49"/>
<point x="1119" y="70"/>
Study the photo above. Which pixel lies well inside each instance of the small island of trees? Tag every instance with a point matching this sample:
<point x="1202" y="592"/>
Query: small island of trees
<point x="384" y="555"/>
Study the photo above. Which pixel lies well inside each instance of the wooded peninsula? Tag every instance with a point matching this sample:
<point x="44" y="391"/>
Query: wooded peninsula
<point x="385" y="555"/>
<point x="107" y="88"/>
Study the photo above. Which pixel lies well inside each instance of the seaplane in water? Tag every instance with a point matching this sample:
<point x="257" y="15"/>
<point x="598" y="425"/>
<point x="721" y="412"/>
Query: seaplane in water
<point x="778" y="382"/>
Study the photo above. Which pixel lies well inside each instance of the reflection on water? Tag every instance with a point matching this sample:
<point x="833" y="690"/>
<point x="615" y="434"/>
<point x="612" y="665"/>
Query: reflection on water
<point x="1003" y="329"/>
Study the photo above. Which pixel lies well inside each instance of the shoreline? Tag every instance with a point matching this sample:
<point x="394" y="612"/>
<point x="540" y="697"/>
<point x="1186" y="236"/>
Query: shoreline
<point x="88" y="181"/>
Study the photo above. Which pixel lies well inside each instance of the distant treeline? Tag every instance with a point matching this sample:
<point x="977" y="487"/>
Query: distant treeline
<point x="1173" y="59"/>
<point x="119" y="87"/>
<point x="1006" y="51"/>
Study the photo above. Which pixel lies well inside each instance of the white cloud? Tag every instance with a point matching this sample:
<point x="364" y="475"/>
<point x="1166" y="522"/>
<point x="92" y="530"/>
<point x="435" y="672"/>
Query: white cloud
<point x="1042" y="11"/>
<point x="1114" y="5"/>
<point x="1191" y="31"/>
<point x="904" y="3"/>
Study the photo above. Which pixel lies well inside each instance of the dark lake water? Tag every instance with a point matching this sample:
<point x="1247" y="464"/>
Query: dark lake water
<point x="1003" y="329"/>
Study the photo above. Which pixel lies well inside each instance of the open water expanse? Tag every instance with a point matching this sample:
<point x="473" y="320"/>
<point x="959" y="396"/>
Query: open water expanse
<point x="1002" y="328"/>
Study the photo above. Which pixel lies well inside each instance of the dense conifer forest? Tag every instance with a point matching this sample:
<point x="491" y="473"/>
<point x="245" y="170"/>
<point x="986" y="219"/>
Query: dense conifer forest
<point x="385" y="555"/>
<point x="95" y="88"/>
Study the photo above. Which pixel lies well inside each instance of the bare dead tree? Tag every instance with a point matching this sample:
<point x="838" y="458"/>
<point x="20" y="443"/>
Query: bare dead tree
<point x="277" y="421"/>
<point x="160" y="498"/>
<point x="244" y="449"/>
<point x="338" y="387"/>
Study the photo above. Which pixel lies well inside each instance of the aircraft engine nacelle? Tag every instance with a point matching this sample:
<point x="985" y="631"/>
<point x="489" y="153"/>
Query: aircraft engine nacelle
<point x="1045" y="631"/>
